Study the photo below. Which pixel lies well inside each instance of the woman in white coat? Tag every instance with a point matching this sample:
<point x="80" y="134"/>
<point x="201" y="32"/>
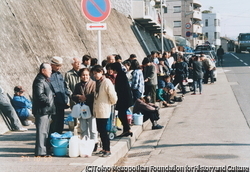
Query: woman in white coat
<point x="104" y="97"/>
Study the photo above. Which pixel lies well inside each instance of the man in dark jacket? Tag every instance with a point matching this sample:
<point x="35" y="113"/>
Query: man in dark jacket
<point x="220" y="53"/>
<point x="43" y="108"/>
<point x="61" y="95"/>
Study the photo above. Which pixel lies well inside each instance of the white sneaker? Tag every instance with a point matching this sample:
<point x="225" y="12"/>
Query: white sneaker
<point x="22" y="129"/>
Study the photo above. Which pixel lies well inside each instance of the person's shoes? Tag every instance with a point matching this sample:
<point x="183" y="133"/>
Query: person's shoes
<point x="156" y="127"/>
<point x="193" y="94"/>
<point x="100" y="152"/>
<point x="171" y="102"/>
<point x="126" y="134"/>
<point x="105" y="154"/>
<point x="21" y="129"/>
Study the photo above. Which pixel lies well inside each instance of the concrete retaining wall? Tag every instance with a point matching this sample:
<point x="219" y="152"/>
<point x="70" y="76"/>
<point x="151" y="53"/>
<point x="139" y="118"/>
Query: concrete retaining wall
<point x="32" y="31"/>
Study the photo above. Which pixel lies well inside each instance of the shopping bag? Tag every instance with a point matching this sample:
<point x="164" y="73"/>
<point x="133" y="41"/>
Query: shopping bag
<point x="86" y="146"/>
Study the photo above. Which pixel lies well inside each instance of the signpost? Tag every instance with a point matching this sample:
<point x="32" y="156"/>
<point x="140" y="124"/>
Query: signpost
<point x="188" y="25"/>
<point x="96" y="11"/>
<point x="188" y="34"/>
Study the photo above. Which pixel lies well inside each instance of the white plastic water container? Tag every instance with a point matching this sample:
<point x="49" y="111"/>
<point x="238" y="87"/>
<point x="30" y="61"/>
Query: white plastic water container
<point x="138" y="119"/>
<point x="74" y="145"/>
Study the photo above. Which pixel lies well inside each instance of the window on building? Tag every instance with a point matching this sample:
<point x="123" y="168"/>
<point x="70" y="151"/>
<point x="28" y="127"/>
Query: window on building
<point x="177" y="9"/>
<point x="206" y="22"/>
<point x="206" y="35"/>
<point x="177" y="23"/>
<point x="215" y="22"/>
<point x="218" y="22"/>
<point x="216" y="35"/>
<point x="165" y="10"/>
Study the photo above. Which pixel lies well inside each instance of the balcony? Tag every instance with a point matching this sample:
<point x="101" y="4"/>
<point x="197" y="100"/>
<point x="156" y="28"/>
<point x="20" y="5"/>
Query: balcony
<point x="196" y="3"/>
<point x="197" y="15"/>
<point x="146" y="15"/>
<point x="197" y="29"/>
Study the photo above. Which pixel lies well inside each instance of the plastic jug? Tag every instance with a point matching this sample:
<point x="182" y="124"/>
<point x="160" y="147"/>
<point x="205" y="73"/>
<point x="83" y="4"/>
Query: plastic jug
<point x="74" y="145"/>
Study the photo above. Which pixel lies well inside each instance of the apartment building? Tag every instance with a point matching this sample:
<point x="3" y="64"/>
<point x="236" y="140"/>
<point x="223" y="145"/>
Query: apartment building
<point x="211" y="28"/>
<point x="148" y="22"/>
<point x="186" y="16"/>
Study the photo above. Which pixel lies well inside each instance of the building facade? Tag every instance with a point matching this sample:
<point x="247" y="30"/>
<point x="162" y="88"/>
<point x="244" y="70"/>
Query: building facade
<point x="185" y="16"/>
<point x="212" y="28"/>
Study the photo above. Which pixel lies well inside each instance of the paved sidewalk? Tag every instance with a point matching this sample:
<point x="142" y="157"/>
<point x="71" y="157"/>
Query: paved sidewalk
<point x="207" y="130"/>
<point x="17" y="153"/>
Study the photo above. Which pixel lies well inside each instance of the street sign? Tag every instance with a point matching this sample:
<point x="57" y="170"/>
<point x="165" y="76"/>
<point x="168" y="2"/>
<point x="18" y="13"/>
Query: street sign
<point x="188" y="25"/>
<point x="96" y="26"/>
<point x="96" y="10"/>
<point x="188" y="34"/>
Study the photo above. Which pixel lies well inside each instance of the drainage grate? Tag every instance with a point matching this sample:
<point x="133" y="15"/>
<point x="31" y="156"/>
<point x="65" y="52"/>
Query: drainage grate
<point x="138" y="154"/>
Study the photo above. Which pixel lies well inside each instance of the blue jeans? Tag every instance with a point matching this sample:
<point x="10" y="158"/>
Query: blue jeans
<point x="199" y="83"/>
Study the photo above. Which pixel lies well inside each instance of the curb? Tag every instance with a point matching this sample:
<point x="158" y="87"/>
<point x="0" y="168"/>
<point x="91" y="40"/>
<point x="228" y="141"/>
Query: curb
<point x="121" y="148"/>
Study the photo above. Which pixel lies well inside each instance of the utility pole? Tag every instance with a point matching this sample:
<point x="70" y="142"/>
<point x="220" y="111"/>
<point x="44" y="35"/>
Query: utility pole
<point x="162" y="22"/>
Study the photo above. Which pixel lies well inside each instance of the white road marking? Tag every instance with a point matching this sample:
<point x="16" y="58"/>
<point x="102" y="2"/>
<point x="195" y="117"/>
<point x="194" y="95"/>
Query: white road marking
<point x="239" y="59"/>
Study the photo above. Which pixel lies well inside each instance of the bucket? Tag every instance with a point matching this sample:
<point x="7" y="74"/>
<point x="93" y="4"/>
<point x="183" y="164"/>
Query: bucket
<point x="138" y="119"/>
<point x="59" y="146"/>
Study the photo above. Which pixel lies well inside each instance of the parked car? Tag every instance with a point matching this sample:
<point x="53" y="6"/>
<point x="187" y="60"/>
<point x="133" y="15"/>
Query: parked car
<point x="207" y="50"/>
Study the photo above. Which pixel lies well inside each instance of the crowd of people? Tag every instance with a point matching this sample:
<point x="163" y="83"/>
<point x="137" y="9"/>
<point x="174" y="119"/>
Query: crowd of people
<point x="115" y="84"/>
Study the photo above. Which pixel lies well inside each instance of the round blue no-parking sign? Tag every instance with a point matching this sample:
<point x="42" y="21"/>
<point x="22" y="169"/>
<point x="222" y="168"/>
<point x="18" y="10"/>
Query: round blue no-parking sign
<point x="96" y="10"/>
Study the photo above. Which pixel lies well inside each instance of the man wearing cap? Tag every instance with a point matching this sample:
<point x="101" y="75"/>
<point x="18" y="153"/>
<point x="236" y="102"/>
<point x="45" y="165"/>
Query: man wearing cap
<point x="61" y="95"/>
<point x="8" y="110"/>
<point x="22" y="106"/>
<point x="43" y="108"/>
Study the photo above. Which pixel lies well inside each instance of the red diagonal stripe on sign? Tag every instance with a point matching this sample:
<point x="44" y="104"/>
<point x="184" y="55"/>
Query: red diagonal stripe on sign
<point x="97" y="7"/>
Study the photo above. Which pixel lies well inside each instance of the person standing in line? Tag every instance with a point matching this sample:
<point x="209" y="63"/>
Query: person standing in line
<point x="197" y="74"/>
<point x="150" y="79"/>
<point x="181" y="69"/>
<point x="72" y="78"/>
<point x="124" y="95"/>
<point x="220" y="53"/>
<point x="43" y="109"/>
<point x="104" y="97"/>
<point x="84" y="93"/>
<point x="137" y="84"/>
<point x="209" y="68"/>
<point x="8" y="110"/>
<point x="61" y="95"/>
<point x="86" y="61"/>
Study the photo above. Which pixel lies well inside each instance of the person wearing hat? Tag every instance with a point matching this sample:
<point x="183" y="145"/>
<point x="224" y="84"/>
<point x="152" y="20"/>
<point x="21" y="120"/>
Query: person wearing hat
<point x="22" y="106"/>
<point x="8" y="111"/>
<point x="61" y="95"/>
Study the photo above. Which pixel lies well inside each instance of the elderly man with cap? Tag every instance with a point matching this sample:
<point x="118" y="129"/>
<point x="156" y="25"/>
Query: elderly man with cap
<point x="8" y="110"/>
<point x="61" y="95"/>
<point x="23" y="106"/>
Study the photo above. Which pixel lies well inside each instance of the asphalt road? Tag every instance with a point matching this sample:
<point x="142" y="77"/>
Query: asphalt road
<point x="203" y="131"/>
<point x="237" y="69"/>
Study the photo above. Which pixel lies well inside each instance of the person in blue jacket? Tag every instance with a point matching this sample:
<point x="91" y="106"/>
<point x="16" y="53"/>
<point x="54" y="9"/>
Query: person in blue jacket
<point x="23" y="106"/>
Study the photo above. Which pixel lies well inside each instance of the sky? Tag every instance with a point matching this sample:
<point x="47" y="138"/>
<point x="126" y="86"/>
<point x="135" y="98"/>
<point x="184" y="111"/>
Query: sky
<point x="235" y="15"/>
